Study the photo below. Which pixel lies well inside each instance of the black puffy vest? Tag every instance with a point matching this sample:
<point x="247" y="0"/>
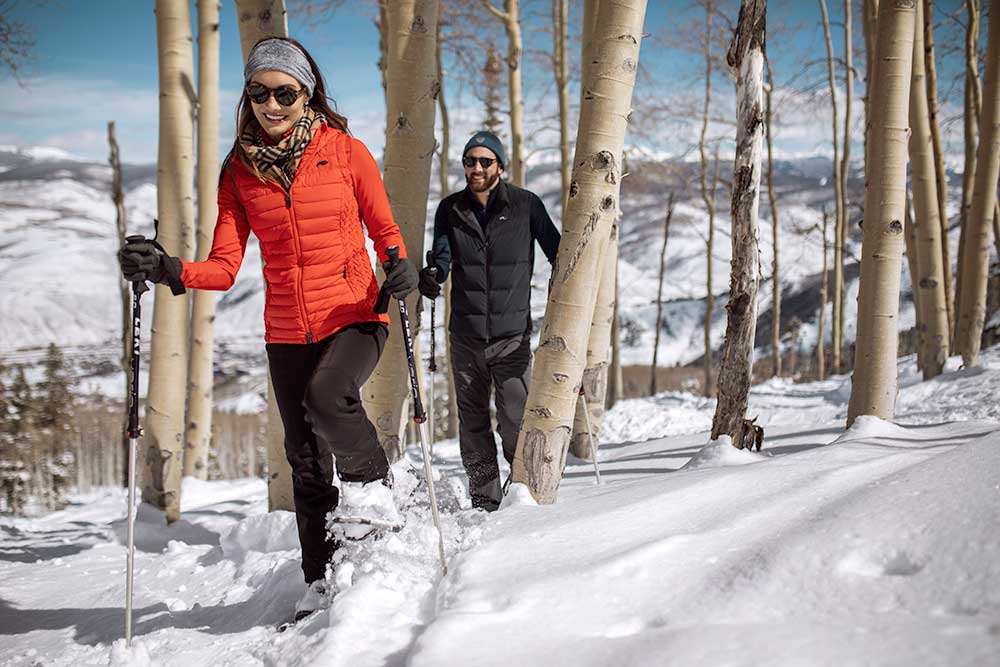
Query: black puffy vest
<point x="491" y="270"/>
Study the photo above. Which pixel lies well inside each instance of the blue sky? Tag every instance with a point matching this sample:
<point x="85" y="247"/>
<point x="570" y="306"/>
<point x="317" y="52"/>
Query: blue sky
<point x="96" y="61"/>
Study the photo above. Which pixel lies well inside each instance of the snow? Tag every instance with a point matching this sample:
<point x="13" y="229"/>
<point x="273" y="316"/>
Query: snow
<point x="875" y="545"/>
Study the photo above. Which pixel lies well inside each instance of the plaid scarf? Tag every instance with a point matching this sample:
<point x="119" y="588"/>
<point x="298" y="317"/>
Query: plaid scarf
<point x="279" y="161"/>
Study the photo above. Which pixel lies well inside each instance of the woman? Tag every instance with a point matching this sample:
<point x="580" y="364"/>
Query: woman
<point x="303" y="186"/>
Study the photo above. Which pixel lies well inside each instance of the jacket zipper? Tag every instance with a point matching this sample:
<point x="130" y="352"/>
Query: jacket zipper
<point x="298" y="255"/>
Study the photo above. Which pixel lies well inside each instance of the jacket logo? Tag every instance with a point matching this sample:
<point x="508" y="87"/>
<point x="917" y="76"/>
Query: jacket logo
<point x="322" y="162"/>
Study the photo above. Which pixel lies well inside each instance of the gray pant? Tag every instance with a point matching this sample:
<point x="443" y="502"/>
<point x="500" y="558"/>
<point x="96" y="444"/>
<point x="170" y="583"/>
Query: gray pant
<point x="503" y="365"/>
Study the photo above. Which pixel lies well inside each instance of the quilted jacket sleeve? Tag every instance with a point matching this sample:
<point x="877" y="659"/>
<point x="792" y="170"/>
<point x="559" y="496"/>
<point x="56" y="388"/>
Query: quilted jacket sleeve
<point x="229" y="244"/>
<point x="373" y="203"/>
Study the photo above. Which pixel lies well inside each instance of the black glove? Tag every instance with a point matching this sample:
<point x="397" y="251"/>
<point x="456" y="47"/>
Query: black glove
<point x="429" y="285"/>
<point x="400" y="279"/>
<point x="143" y="260"/>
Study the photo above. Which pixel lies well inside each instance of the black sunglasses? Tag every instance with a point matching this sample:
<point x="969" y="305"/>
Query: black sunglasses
<point x="284" y="95"/>
<point x="484" y="162"/>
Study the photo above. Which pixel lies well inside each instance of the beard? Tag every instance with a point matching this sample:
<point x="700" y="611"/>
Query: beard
<point x="486" y="184"/>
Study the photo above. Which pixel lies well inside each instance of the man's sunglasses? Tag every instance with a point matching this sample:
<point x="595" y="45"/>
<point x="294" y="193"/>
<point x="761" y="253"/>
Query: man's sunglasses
<point x="484" y="162"/>
<point x="284" y="95"/>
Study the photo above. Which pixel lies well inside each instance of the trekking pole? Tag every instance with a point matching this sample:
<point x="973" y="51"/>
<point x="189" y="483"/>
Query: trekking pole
<point x="590" y="433"/>
<point x="432" y="366"/>
<point x="419" y="417"/>
<point x="134" y="432"/>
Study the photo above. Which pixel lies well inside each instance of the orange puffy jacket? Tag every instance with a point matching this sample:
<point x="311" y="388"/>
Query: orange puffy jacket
<point x="317" y="273"/>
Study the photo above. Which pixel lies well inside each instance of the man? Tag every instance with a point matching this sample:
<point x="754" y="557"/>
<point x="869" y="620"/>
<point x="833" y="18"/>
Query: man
<point x="485" y="234"/>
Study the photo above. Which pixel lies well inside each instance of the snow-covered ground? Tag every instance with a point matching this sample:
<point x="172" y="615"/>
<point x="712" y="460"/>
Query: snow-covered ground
<point x="875" y="546"/>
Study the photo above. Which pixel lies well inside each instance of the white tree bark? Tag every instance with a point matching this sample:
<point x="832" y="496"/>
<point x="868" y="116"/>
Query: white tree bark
<point x="595" y="373"/>
<point x="258" y="19"/>
<point x="838" y="196"/>
<point x="593" y="206"/>
<point x="972" y="313"/>
<point x="746" y="56"/>
<point x="940" y="176"/>
<point x="198" y="435"/>
<point x="932" y="318"/>
<point x="411" y="97"/>
<point x="511" y="19"/>
<point x="874" y="381"/>
<point x="175" y="209"/>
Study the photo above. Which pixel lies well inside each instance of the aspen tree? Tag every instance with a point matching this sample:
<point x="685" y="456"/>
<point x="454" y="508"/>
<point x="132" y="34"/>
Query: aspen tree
<point x="560" y="23"/>
<point x="708" y="199"/>
<point x="595" y="373"/>
<point x="161" y="486"/>
<point x="411" y="92"/>
<point x="746" y="57"/>
<point x="451" y="423"/>
<point x="258" y="19"/>
<point x="587" y="229"/>
<point x="616" y="382"/>
<point x="970" y="124"/>
<point x="511" y="20"/>
<point x="972" y="310"/>
<point x="118" y="197"/>
<point x="913" y="263"/>
<point x="940" y="176"/>
<point x="773" y="203"/>
<point x="870" y="28"/>
<point x="199" y="412"/>
<point x="658" y="326"/>
<point x="844" y="170"/>
<point x="932" y="317"/>
<point x="838" y="199"/>
<point x="821" y="323"/>
<point x="874" y="381"/>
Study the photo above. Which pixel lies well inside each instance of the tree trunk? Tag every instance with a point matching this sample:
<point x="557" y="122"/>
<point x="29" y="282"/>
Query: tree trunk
<point x="874" y="382"/>
<point x="560" y="12"/>
<point x="616" y="383"/>
<point x="118" y="197"/>
<point x="174" y="203"/>
<point x="595" y="374"/>
<point x="838" y="199"/>
<point x="844" y="171"/>
<point x="821" y="324"/>
<point x="746" y="57"/>
<point x="709" y="200"/>
<point x="511" y="20"/>
<point x="973" y="101"/>
<point x="451" y="425"/>
<point x="913" y="265"/>
<point x="259" y="19"/>
<point x="409" y="151"/>
<point x="773" y="203"/>
<point x="940" y="176"/>
<point x="199" y="413"/>
<point x="932" y="317"/>
<point x="972" y="311"/>
<point x="659" y="294"/>
<point x="870" y="28"/>
<point x="590" y="214"/>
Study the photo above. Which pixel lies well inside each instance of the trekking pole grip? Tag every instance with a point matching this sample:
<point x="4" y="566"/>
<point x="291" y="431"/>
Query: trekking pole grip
<point x="382" y="303"/>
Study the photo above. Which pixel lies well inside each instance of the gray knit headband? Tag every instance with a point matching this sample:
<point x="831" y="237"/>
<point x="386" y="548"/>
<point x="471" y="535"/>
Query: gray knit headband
<point x="277" y="55"/>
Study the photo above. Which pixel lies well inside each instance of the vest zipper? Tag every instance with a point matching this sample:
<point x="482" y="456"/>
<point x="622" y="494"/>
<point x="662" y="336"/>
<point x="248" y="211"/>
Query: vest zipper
<point x="298" y="255"/>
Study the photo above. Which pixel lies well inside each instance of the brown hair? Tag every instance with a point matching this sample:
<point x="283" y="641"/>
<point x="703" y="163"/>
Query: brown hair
<point x="244" y="112"/>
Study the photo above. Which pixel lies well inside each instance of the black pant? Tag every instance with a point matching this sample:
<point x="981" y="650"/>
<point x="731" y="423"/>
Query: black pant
<point x="503" y="364"/>
<point x="317" y="389"/>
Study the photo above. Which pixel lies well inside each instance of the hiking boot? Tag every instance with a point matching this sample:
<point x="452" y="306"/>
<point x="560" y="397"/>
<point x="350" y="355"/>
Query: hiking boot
<point x="486" y="496"/>
<point x="317" y="596"/>
<point x="367" y="506"/>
